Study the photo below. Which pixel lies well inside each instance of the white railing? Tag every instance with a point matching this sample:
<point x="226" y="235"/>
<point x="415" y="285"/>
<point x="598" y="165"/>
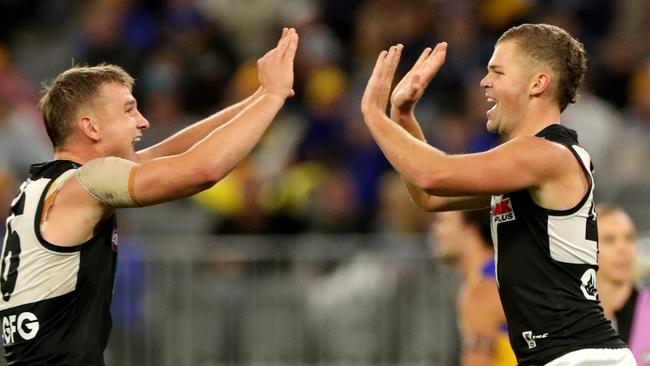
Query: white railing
<point x="286" y="300"/>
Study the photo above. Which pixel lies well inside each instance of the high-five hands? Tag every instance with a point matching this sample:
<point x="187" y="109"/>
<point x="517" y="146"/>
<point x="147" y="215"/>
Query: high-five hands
<point x="275" y="68"/>
<point x="410" y="88"/>
<point x="377" y="91"/>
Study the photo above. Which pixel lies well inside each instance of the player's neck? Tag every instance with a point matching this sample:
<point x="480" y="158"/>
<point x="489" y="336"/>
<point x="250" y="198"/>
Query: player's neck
<point x="77" y="155"/>
<point x="538" y="116"/>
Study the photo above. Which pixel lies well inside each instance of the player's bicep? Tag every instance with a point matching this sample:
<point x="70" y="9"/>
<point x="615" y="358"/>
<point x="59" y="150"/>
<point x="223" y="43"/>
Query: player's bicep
<point x="108" y="181"/>
<point x="167" y="179"/>
<point x="518" y="164"/>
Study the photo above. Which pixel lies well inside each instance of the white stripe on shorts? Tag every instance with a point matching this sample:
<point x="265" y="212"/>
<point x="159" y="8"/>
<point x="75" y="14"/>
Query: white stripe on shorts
<point x="596" y="357"/>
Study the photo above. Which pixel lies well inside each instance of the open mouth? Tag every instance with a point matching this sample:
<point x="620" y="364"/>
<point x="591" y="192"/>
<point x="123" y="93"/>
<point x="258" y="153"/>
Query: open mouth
<point x="136" y="140"/>
<point x="493" y="102"/>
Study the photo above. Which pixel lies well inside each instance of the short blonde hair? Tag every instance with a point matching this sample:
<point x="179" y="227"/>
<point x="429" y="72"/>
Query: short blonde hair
<point x="554" y="47"/>
<point x="72" y="89"/>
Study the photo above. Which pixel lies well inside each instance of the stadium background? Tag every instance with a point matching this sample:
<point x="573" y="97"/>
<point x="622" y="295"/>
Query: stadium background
<point x="309" y="252"/>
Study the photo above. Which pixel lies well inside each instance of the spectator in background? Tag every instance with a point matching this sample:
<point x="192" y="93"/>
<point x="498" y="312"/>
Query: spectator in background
<point x="102" y="36"/>
<point x="208" y="57"/>
<point x="21" y="140"/>
<point x="596" y="122"/>
<point x="630" y="181"/>
<point x="624" y="304"/>
<point x="8" y="188"/>
<point x="463" y="239"/>
<point x="396" y="214"/>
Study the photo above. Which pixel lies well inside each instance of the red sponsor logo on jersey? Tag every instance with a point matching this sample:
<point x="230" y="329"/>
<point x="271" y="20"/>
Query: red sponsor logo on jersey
<point x="502" y="211"/>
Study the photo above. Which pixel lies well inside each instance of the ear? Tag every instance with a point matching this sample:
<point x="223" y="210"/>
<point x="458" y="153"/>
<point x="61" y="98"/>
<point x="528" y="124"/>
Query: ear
<point x="88" y="126"/>
<point x="540" y="82"/>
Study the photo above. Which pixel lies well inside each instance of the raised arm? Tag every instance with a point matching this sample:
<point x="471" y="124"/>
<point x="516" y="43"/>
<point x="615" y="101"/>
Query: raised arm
<point x="187" y="137"/>
<point x="78" y="201"/>
<point x="208" y="161"/>
<point x="403" y="100"/>
<point x="522" y="163"/>
<point x="190" y="135"/>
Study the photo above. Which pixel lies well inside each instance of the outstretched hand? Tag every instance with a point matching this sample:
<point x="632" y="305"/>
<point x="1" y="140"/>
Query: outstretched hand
<point x="375" y="98"/>
<point x="410" y="89"/>
<point x="275" y="68"/>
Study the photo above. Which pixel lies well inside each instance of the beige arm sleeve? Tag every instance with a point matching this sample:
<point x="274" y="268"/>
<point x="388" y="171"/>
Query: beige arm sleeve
<point x="109" y="180"/>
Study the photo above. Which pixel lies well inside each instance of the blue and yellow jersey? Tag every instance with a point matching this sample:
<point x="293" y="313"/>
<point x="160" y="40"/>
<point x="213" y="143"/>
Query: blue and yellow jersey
<point x="503" y="354"/>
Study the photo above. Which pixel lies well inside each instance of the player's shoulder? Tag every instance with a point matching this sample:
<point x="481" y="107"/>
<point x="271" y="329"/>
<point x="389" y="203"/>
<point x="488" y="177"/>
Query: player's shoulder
<point x="537" y="144"/>
<point x="537" y="153"/>
<point x="75" y="186"/>
<point x="51" y="169"/>
<point x="107" y="162"/>
<point x="559" y="133"/>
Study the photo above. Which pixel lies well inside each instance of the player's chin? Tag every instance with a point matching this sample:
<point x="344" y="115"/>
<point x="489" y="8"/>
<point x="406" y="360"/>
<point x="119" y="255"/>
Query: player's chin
<point x="491" y="126"/>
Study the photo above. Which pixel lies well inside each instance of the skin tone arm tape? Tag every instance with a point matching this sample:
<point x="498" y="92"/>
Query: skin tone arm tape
<point x="109" y="180"/>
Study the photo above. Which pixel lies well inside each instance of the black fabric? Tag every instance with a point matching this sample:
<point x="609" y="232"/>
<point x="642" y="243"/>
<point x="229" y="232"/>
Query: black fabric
<point x="547" y="312"/>
<point x="73" y="328"/>
<point x="625" y="316"/>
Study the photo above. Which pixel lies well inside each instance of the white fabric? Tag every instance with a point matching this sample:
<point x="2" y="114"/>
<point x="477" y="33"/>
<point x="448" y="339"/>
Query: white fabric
<point x="596" y="357"/>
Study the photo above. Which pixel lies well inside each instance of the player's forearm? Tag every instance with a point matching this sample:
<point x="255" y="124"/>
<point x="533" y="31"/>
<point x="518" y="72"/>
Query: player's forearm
<point x="419" y="197"/>
<point x="187" y="137"/>
<point x="225" y="147"/>
<point x="407" y="120"/>
<point x="431" y="203"/>
<point x="209" y="160"/>
<point x="414" y="159"/>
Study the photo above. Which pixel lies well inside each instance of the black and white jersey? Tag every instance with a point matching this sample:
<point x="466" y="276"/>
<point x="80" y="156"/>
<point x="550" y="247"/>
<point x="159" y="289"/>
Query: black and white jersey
<point x="55" y="300"/>
<point x="546" y="263"/>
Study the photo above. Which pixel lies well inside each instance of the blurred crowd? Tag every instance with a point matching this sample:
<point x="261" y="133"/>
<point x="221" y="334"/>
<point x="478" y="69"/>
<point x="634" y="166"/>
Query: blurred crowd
<point x="318" y="169"/>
